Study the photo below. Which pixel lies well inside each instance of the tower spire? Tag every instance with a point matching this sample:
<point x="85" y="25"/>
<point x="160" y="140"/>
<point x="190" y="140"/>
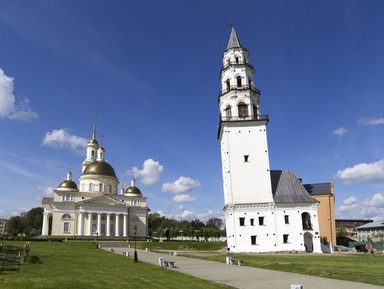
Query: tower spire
<point x="234" y="41"/>
<point x="94" y="127"/>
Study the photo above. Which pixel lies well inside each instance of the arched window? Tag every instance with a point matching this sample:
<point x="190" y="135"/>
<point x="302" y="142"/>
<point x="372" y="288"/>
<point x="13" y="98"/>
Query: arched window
<point x="228" y="85"/>
<point x="228" y="112"/>
<point x="306" y="219"/>
<point x="66" y="216"/>
<point x="91" y="187"/>
<point x="110" y="189"/>
<point x="237" y="59"/>
<point x="254" y="111"/>
<point x="83" y="187"/>
<point x="238" y="79"/>
<point x="101" y="187"/>
<point x="242" y="109"/>
<point x="92" y="154"/>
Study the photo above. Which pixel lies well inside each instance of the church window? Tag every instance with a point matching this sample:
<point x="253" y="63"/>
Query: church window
<point x="83" y="187"/>
<point x="242" y="109"/>
<point x="91" y="187"/>
<point x="67" y="198"/>
<point x="253" y="240"/>
<point x="306" y="220"/>
<point x="238" y="79"/>
<point x="66" y="216"/>
<point x="228" y="85"/>
<point x="237" y="59"/>
<point x="286" y="219"/>
<point x="246" y="158"/>
<point x="66" y="227"/>
<point x="242" y="221"/>
<point x="249" y="82"/>
<point x="94" y="217"/>
<point x="101" y="187"/>
<point x="252" y="222"/>
<point x="254" y="111"/>
<point x="92" y="154"/>
<point x="228" y="113"/>
<point x="261" y="221"/>
<point x="110" y="189"/>
<point x="285" y="238"/>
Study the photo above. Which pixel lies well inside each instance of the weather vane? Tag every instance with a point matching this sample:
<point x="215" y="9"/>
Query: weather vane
<point x="232" y="24"/>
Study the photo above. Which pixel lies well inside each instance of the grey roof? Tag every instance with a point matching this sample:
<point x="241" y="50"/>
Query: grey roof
<point x="372" y="225"/>
<point x="287" y="188"/>
<point x="318" y="189"/>
<point x="234" y="41"/>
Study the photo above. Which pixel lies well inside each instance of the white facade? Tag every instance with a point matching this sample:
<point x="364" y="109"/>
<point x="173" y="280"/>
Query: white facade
<point x="264" y="211"/>
<point x="94" y="208"/>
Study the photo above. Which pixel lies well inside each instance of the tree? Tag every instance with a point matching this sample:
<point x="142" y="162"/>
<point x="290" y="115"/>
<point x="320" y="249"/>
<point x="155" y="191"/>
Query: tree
<point x="214" y="223"/>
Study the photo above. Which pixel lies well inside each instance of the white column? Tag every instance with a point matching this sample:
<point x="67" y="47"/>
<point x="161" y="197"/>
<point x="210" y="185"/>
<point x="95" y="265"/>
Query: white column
<point x="89" y="224"/>
<point x="99" y="224"/>
<point x="125" y="226"/>
<point x="117" y="234"/>
<point x="80" y="224"/>
<point x="108" y="231"/>
<point x="45" y="225"/>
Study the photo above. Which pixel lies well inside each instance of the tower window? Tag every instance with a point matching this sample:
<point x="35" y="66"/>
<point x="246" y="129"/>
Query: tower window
<point x="237" y="59"/>
<point x="238" y="81"/>
<point x="286" y="219"/>
<point x="253" y="240"/>
<point x="285" y="239"/>
<point x="101" y="187"/>
<point x="252" y="222"/>
<point x="91" y="187"/>
<point x="242" y="109"/>
<point x="261" y="221"/>
<point x="246" y="158"/>
<point x="92" y="154"/>
<point x="228" y="113"/>
<point x="254" y="111"/>
<point x="228" y="85"/>
<point x="242" y="221"/>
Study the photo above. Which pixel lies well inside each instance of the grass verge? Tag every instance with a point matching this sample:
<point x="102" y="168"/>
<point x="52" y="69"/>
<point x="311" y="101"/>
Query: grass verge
<point x="81" y="266"/>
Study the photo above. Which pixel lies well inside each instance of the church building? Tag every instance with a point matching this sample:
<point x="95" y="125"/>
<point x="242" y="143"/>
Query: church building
<point x="93" y="207"/>
<point x="265" y="210"/>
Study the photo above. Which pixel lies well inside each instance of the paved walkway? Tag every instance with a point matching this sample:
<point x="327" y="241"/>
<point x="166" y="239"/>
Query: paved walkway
<point x="242" y="276"/>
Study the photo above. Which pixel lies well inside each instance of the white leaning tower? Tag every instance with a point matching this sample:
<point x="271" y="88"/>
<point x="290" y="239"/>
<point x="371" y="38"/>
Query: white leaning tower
<point x="264" y="211"/>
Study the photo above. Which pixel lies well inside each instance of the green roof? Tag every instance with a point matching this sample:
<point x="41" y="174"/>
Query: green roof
<point x="101" y="168"/>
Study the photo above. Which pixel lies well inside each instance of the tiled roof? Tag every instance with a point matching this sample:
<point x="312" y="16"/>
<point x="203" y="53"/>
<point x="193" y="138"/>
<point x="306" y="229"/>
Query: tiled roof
<point x="318" y="189"/>
<point x="47" y="201"/>
<point x="287" y="188"/>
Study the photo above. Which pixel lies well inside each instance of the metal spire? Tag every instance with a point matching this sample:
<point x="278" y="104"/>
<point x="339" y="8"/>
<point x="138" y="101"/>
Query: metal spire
<point x="94" y="127"/>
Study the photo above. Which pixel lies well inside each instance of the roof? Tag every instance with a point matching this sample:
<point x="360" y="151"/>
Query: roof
<point x="287" y="188"/>
<point x="67" y="185"/>
<point x="372" y="225"/>
<point x="47" y="201"/>
<point x="234" y="41"/>
<point x="318" y="189"/>
<point x="100" y="168"/>
<point x="103" y="200"/>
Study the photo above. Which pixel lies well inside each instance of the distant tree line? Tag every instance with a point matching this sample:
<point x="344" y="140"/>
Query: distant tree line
<point x="28" y="224"/>
<point x="162" y="227"/>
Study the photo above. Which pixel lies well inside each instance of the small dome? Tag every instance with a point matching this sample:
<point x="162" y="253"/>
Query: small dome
<point x="92" y="142"/>
<point x="100" y="168"/>
<point x="67" y="185"/>
<point x="132" y="191"/>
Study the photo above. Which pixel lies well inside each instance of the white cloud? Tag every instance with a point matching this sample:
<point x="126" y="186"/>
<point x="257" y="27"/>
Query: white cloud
<point x="184" y="198"/>
<point x="371" y="121"/>
<point x="20" y="112"/>
<point x="181" y="186"/>
<point x="362" y="172"/>
<point x="187" y="215"/>
<point x="60" y="138"/>
<point x="340" y="131"/>
<point x="376" y="201"/>
<point x="47" y="191"/>
<point x="348" y="205"/>
<point x="150" y="173"/>
<point x="372" y="212"/>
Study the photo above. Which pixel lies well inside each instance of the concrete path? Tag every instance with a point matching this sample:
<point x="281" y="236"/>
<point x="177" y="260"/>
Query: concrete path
<point x="242" y="276"/>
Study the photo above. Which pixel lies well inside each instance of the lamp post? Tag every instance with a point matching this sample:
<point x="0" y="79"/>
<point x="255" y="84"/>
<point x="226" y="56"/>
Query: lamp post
<point x="135" y="259"/>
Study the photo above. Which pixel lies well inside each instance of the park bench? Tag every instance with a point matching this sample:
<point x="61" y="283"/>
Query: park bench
<point x="231" y="261"/>
<point x="166" y="263"/>
<point x="9" y="263"/>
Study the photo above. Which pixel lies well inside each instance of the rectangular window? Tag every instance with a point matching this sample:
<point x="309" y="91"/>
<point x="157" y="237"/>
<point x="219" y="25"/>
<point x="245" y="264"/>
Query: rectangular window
<point x="68" y="198"/>
<point x="66" y="227"/>
<point x="285" y="238"/>
<point x="261" y="221"/>
<point x="253" y="240"/>
<point x="286" y="219"/>
<point x="246" y="158"/>
<point x="252" y="222"/>
<point x="242" y="221"/>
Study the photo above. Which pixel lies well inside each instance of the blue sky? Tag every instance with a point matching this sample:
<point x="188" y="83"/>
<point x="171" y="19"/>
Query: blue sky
<point x="150" y="70"/>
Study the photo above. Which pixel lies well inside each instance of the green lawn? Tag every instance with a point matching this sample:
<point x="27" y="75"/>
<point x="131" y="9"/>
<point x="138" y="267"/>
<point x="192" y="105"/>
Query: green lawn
<point x="357" y="267"/>
<point x="80" y="265"/>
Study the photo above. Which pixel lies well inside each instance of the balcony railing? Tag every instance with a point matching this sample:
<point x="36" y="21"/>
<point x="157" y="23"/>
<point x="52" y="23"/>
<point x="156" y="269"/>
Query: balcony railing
<point x="235" y="87"/>
<point x="240" y="118"/>
<point x="231" y="63"/>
